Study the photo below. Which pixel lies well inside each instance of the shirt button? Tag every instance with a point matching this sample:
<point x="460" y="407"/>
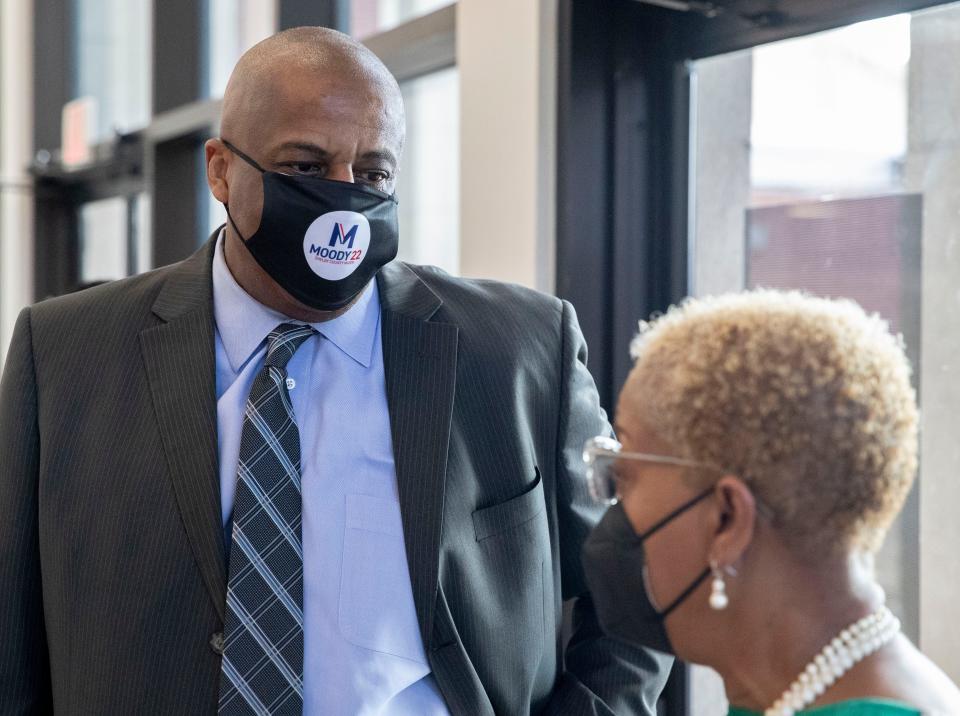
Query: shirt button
<point x="216" y="643"/>
<point x="291" y="384"/>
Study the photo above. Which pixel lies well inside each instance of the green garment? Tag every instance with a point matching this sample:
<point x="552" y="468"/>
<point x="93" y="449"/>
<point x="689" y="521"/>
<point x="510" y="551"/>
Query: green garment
<point x="859" y="707"/>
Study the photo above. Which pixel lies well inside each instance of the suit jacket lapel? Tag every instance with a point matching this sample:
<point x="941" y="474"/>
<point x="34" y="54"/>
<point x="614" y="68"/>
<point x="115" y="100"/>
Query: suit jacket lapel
<point x="420" y="363"/>
<point x="179" y="355"/>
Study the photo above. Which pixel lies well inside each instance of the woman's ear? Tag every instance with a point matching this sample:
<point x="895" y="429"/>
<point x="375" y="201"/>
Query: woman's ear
<point x="214" y="152"/>
<point x="738" y="513"/>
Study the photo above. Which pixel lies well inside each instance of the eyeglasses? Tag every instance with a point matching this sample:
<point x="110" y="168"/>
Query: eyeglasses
<point x="601" y="455"/>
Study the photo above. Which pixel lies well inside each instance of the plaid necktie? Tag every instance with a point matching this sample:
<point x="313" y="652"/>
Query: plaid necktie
<point x="262" y="669"/>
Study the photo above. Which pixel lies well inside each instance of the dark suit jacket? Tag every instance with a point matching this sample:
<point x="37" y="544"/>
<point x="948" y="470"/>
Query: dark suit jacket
<point x="112" y="567"/>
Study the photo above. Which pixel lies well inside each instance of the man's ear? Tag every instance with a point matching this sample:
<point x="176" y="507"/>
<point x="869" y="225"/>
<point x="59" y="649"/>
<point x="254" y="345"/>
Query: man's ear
<point x="738" y="514"/>
<point x="217" y="164"/>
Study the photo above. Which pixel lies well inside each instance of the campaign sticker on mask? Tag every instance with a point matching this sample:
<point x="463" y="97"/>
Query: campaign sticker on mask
<point x="336" y="243"/>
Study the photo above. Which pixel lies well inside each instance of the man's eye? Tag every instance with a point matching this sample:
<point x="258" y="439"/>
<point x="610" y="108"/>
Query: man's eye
<point x="375" y="176"/>
<point x="308" y="168"/>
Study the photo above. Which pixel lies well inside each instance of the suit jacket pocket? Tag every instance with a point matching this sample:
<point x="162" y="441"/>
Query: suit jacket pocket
<point x="507" y="574"/>
<point x="516" y="511"/>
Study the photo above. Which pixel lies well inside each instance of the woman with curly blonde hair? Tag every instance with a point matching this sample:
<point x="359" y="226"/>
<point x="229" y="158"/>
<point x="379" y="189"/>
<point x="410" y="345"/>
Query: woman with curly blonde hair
<point x="767" y="441"/>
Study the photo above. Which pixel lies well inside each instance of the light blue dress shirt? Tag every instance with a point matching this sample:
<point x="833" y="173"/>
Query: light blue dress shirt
<point x="362" y="648"/>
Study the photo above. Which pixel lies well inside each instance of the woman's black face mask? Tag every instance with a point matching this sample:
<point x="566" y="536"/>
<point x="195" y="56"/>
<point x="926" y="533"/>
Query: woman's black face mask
<point x="616" y="571"/>
<point x="321" y="240"/>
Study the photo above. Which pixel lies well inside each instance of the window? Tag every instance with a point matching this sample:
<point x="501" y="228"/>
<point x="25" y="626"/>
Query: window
<point x="233" y="27"/>
<point x="113" y="238"/>
<point x="428" y="186"/>
<point x="368" y="17"/>
<point x="112" y="62"/>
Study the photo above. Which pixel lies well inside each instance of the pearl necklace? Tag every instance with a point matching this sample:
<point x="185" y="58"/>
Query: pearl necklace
<point x="851" y="646"/>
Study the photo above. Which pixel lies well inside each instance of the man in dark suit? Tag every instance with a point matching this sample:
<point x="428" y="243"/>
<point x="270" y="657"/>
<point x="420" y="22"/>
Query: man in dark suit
<point x="289" y="475"/>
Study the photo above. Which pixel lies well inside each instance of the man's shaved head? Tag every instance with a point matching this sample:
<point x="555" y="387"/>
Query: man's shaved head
<point x="308" y="102"/>
<point x="257" y="82"/>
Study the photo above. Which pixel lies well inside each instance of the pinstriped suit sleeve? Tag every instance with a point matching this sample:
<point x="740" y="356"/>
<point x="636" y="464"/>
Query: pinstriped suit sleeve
<point x="601" y="676"/>
<point x="24" y="672"/>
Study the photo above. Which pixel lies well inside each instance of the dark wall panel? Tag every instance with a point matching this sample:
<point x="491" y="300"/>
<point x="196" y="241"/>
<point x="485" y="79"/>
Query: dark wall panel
<point x="326" y="13"/>
<point x="179" y="64"/>
<point x="622" y="122"/>
<point x="53" y="78"/>
<point x="584" y="201"/>
<point x="177" y="195"/>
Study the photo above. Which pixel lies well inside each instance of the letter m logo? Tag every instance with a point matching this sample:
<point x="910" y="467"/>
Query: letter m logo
<point x="344" y="237"/>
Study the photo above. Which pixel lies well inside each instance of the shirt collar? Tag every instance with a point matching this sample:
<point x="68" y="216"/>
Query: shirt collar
<point x="244" y="323"/>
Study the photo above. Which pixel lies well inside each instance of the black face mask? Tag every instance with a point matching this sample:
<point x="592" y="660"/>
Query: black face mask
<point x="616" y="571"/>
<point x="321" y="240"/>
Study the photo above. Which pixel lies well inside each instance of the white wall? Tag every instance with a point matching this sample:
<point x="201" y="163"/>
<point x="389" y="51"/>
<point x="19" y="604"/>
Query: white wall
<point x="722" y="95"/>
<point x="506" y="54"/>
<point x="16" y="140"/>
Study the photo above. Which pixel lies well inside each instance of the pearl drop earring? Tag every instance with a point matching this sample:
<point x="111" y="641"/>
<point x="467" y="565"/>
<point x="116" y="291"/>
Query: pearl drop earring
<point x="718" y="591"/>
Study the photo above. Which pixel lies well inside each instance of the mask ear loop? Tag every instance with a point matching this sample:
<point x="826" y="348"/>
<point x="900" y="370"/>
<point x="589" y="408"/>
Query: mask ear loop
<point x="676" y="513"/>
<point x="662" y="523"/>
<point x="243" y="156"/>
<point x="234" y="224"/>
<point x="686" y="593"/>
<point x="253" y="164"/>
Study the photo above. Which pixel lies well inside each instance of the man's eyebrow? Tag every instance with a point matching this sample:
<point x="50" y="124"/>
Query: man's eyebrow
<point x="382" y="154"/>
<point x="321" y="153"/>
<point x="315" y="149"/>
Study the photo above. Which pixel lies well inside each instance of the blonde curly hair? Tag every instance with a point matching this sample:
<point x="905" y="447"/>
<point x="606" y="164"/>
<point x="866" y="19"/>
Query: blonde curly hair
<point x="807" y="399"/>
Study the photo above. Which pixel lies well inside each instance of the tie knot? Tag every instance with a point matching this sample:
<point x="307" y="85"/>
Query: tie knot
<point x="283" y="342"/>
